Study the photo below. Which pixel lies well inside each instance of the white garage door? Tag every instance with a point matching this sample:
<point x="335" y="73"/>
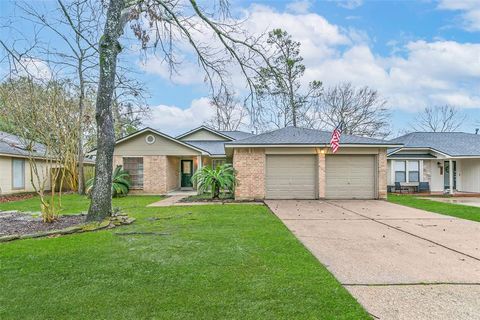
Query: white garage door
<point x="291" y="177"/>
<point x="350" y="177"/>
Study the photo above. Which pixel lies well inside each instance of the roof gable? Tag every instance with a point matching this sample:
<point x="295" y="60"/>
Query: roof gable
<point x="204" y="133"/>
<point x="173" y="145"/>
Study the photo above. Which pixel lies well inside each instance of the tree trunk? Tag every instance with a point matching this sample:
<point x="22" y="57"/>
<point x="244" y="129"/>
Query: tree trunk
<point x="216" y="191"/>
<point x="101" y="204"/>
<point x="81" y="107"/>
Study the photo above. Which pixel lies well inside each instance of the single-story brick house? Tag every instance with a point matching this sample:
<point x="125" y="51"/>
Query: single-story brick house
<point x="289" y="163"/>
<point x="429" y="157"/>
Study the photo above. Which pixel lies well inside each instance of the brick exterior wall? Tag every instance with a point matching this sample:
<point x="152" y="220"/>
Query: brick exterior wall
<point x="155" y="174"/>
<point x="117" y="161"/>
<point x="250" y="166"/>
<point x="382" y="174"/>
<point x="160" y="173"/>
<point x="173" y="173"/>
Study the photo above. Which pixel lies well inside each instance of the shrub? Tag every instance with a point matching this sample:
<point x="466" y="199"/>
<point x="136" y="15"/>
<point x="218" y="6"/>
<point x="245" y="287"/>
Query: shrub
<point x="120" y="183"/>
<point x="220" y="178"/>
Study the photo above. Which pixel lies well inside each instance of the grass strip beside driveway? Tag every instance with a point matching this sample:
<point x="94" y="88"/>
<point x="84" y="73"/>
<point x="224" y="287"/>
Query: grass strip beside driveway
<point x="449" y="209"/>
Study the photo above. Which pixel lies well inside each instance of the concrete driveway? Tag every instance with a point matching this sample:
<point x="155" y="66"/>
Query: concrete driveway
<point x="399" y="262"/>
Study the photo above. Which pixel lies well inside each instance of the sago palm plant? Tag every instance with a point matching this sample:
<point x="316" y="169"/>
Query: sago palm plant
<point x="214" y="180"/>
<point x="120" y="183"/>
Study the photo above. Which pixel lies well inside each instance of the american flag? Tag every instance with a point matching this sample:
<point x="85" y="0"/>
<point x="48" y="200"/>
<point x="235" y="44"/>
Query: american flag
<point x="335" y="141"/>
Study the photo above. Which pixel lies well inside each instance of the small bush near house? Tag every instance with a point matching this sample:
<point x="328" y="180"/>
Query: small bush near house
<point x="120" y="183"/>
<point x="209" y="179"/>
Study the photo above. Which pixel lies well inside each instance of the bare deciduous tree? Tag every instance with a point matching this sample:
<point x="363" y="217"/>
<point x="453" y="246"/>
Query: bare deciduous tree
<point x="362" y="111"/>
<point x="43" y="115"/>
<point x="282" y="99"/>
<point x="439" y="119"/>
<point x="75" y="28"/>
<point x="164" y="23"/>
<point x="229" y="115"/>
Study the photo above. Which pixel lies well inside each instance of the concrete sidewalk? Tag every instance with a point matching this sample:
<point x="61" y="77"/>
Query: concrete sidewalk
<point x="399" y="262"/>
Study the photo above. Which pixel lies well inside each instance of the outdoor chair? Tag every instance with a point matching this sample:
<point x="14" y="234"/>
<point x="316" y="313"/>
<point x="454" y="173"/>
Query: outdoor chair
<point x="423" y="187"/>
<point x="399" y="188"/>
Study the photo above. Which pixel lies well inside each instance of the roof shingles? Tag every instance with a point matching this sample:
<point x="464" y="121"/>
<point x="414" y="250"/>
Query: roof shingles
<point x="454" y="144"/>
<point x="303" y="136"/>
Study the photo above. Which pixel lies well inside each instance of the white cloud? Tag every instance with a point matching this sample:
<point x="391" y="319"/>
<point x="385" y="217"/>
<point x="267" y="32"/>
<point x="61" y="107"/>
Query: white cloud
<point x="415" y="75"/>
<point x="175" y="120"/>
<point x="300" y="6"/>
<point x="470" y="12"/>
<point x="349" y="4"/>
<point x="32" y="67"/>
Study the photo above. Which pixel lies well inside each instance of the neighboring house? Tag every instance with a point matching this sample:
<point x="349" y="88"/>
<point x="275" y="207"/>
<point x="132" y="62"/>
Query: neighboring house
<point x="15" y="174"/>
<point x="289" y="163"/>
<point x="14" y="165"/>
<point x="443" y="159"/>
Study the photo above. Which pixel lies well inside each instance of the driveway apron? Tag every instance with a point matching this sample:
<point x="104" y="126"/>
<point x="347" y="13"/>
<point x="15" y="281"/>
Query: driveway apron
<point x="399" y="262"/>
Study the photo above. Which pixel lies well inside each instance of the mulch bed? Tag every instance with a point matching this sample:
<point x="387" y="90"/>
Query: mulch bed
<point x="17" y="223"/>
<point x="16" y="197"/>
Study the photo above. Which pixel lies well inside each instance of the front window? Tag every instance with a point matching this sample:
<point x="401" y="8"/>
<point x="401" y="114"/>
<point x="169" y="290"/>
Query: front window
<point x="407" y="171"/>
<point x="18" y="174"/>
<point x="217" y="162"/>
<point x="400" y="172"/>
<point x="134" y="167"/>
<point x="413" y="171"/>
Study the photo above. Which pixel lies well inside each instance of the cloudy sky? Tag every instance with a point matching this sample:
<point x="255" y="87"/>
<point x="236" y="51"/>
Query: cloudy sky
<point x="415" y="53"/>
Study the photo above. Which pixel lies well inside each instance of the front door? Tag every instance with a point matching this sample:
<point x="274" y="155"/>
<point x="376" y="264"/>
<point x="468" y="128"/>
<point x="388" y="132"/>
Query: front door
<point x="446" y="175"/>
<point x="186" y="173"/>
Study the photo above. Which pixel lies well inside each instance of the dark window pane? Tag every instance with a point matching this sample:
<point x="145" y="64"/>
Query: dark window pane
<point x="413" y="176"/>
<point x="400" y="176"/>
<point x="134" y="167"/>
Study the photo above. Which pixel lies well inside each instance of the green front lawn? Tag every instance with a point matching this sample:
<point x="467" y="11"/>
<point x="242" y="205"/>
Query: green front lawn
<point x="450" y="209"/>
<point x="203" y="262"/>
<point x="74" y="204"/>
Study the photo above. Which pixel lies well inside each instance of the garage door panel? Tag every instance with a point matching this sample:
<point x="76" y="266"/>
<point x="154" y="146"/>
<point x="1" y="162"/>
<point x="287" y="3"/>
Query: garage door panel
<point x="350" y="177"/>
<point x="291" y="177"/>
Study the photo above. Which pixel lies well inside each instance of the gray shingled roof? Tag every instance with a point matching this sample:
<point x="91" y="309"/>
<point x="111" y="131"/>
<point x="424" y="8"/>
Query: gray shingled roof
<point x="452" y="143"/>
<point x="12" y="144"/>
<point x="212" y="147"/>
<point x="236" y="135"/>
<point x="299" y="136"/>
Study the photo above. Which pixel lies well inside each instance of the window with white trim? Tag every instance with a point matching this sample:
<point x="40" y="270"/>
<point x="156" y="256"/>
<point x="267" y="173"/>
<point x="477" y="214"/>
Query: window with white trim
<point x="413" y="171"/>
<point x="400" y="172"/>
<point x="134" y="167"/>
<point x="407" y="170"/>
<point x="217" y="162"/>
<point x="18" y="173"/>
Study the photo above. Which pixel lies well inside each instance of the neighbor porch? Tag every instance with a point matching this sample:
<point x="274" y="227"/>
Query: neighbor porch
<point x="454" y="176"/>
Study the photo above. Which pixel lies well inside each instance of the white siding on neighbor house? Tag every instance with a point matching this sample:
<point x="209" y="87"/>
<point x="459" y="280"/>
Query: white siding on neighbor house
<point x="436" y="180"/>
<point x="470" y="175"/>
<point x="6" y="175"/>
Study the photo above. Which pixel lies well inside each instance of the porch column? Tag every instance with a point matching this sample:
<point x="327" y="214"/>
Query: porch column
<point x="450" y="175"/>
<point x="199" y="162"/>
